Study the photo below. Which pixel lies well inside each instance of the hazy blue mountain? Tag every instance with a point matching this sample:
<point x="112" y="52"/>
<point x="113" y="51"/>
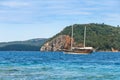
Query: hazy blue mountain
<point x="27" y="45"/>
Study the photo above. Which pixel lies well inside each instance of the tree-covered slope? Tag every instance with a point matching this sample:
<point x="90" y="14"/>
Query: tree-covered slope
<point x="28" y="45"/>
<point x="20" y="47"/>
<point x="100" y="36"/>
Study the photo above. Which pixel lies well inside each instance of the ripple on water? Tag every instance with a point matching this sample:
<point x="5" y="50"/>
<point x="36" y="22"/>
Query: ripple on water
<point x="59" y="66"/>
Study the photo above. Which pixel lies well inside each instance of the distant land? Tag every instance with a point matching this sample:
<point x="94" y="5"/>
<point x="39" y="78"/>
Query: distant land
<point x="102" y="37"/>
<point x="27" y="45"/>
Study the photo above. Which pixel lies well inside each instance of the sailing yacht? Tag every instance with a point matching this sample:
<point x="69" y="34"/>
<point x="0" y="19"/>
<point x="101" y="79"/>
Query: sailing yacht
<point x="80" y="50"/>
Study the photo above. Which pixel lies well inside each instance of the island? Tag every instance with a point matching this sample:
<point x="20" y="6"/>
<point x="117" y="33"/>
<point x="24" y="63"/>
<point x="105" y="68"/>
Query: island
<point x="102" y="37"/>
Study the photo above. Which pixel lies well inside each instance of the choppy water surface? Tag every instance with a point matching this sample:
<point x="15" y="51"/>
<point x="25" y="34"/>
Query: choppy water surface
<point x="59" y="66"/>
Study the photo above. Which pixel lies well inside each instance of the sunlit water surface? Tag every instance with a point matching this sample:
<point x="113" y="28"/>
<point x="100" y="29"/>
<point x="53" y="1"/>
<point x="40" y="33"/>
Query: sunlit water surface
<point x="59" y="66"/>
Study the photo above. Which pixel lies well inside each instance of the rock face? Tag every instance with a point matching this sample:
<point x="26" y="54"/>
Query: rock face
<point x="58" y="43"/>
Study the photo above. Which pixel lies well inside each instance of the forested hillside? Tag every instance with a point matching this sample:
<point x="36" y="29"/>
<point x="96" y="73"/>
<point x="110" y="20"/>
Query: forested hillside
<point x="28" y="45"/>
<point x="100" y="36"/>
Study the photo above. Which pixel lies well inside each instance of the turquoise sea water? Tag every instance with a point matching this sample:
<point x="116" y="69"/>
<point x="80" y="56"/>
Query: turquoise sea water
<point x="59" y="66"/>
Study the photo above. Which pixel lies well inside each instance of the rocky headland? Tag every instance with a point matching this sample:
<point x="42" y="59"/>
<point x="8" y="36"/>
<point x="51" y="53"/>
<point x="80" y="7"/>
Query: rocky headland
<point x="102" y="37"/>
<point x="58" y="43"/>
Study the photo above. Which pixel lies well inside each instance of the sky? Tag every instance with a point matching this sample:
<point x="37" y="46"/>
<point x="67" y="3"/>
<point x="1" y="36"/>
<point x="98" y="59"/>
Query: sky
<point x="28" y="19"/>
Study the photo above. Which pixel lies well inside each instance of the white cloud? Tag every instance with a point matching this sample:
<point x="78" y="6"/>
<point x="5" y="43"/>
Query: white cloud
<point x="14" y="4"/>
<point x="72" y="12"/>
<point x="112" y="16"/>
<point x="3" y="11"/>
<point x="42" y="10"/>
<point x="102" y="4"/>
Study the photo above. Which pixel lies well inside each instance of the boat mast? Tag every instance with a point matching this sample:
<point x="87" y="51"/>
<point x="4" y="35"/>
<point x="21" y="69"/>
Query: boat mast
<point x="72" y="38"/>
<point x="84" y="35"/>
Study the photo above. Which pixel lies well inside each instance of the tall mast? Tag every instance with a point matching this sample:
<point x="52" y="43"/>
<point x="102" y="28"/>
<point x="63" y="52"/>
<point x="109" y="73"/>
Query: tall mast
<point x="84" y="35"/>
<point x="72" y="38"/>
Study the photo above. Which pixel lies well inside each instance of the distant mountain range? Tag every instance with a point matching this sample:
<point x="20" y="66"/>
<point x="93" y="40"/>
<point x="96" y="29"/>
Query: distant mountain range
<point x="27" y="45"/>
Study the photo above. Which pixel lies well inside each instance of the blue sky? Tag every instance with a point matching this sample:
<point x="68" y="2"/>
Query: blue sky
<point x="27" y="19"/>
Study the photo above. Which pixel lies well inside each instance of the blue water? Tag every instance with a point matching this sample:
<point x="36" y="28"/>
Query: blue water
<point x="59" y="66"/>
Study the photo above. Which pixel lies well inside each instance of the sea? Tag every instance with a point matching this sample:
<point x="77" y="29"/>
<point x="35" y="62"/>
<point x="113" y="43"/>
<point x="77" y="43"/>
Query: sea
<point x="27" y="65"/>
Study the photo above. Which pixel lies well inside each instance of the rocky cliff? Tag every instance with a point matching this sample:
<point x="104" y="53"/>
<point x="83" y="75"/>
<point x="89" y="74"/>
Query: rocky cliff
<point x="58" y="43"/>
